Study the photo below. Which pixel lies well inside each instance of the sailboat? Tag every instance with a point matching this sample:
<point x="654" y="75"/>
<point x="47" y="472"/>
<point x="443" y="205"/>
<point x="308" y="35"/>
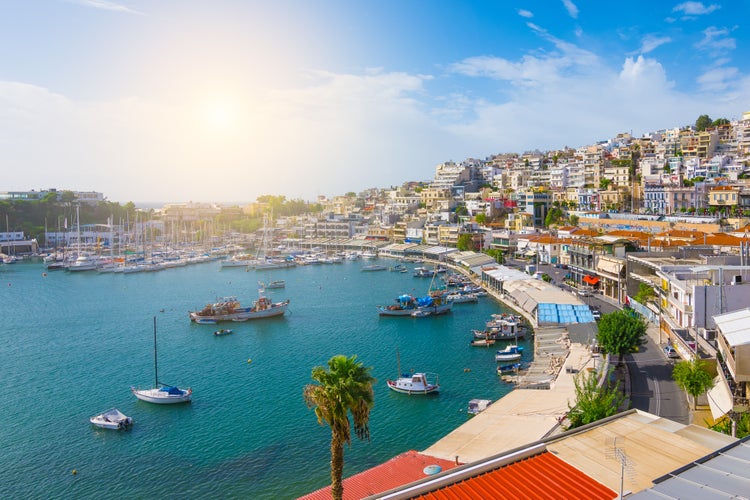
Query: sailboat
<point x="84" y="260"/>
<point x="263" y="260"/>
<point x="161" y="393"/>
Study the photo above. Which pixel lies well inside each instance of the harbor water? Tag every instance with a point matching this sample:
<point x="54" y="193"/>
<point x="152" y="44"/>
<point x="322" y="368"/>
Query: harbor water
<point x="74" y="343"/>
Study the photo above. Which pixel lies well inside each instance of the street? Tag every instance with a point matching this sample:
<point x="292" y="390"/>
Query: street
<point x="651" y="386"/>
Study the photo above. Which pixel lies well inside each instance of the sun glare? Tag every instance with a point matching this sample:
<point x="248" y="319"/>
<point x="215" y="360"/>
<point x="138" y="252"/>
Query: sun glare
<point x="219" y="114"/>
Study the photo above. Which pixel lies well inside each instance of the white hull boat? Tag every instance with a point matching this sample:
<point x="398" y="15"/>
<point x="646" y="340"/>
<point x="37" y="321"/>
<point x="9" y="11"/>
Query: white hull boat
<point x="229" y="309"/>
<point x="162" y="394"/>
<point x="112" y="419"/>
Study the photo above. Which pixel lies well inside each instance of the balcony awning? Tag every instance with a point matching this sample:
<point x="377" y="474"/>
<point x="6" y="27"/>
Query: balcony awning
<point x="719" y="399"/>
<point x="591" y="280"/>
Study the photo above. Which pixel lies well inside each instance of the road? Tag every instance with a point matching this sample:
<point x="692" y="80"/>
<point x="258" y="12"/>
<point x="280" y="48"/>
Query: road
<point x="651" y="386"/>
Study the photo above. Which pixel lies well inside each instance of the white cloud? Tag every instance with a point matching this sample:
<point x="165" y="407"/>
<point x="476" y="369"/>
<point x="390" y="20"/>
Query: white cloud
<point x="107" y="5"/>
<point x="525" y="13"/>
<point x="718" y="79"/>
<point x="695" y="8"/>
<point x="571" y="8"/>
<point x="650" y="43"/>
<point x="716" y="41"/>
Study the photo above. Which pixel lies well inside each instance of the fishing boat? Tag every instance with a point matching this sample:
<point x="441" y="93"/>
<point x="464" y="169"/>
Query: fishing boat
<point x="398" y="268"/>
<point x="112" y="419"/>
<point x="223" y="331"/>
<point x="414" y="383"/>
<point x="404" y="305"/>
<point x="162" y="393"/>
<point x="510" y="353"/>
<point x="477" y="406"/>
<point x="230" y="309"/>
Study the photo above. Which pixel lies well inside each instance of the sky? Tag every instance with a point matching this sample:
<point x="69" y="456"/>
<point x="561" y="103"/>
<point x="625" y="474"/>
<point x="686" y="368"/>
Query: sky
<point x="228" y="100"/>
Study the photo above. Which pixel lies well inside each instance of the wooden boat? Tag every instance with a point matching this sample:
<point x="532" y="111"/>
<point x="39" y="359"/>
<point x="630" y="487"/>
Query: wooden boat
<point x="482" y="342"/>
<point x="230" y="309"/>
<point x="223" y="331"/>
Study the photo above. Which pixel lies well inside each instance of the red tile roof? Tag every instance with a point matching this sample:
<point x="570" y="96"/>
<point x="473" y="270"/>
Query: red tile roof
<point x="398" y="471"/>
<point x="540" y="476"/>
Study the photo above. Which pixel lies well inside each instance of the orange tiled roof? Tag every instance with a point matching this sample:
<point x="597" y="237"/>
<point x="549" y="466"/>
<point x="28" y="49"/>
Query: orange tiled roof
<point x="540" y="476"/>
<point x="398" y="471"/>
<point x="719" y="239"/>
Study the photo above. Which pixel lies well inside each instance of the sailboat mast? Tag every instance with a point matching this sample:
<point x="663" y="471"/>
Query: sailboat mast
<point x="156" y="369"/>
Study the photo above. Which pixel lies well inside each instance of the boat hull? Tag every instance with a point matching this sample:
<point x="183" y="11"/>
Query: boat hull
<point x="160" y="397"/>
<point x="243" y="314"/>
<point x="406" y="390"/>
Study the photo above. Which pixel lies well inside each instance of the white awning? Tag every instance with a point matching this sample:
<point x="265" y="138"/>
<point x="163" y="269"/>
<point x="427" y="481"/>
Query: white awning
<point x="719" y="399"/>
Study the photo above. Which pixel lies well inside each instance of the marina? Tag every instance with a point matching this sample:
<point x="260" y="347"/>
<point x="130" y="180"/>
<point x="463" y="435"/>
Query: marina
<point x="91" y="341"/>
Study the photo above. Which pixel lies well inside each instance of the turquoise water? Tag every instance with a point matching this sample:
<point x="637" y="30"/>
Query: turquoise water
<point x="73" y="343"/>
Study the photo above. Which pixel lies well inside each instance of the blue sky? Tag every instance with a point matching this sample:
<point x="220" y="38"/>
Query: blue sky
<point x="227" y="100"/>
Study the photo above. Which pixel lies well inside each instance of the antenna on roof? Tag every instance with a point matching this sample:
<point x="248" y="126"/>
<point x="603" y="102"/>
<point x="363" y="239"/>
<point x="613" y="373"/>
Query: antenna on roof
<point x="614" y="452"/>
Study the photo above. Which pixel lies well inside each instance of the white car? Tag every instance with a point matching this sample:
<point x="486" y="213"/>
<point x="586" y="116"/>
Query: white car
<point x="670" y="352"/>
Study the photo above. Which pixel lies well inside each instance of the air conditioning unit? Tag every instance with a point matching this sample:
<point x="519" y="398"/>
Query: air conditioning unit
<point x="707" y="334"/>
<point x="736" y="280"/>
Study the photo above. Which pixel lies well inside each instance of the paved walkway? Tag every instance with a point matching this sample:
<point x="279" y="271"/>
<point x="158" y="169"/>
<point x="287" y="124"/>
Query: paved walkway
<point x="519" y="418"/>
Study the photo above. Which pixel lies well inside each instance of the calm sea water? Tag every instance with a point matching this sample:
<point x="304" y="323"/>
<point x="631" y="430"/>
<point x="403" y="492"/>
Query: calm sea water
<point x="73" y="343"/>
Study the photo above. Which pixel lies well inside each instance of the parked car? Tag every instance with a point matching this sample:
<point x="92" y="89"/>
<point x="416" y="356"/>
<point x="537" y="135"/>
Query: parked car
<point x="671" y="352"/>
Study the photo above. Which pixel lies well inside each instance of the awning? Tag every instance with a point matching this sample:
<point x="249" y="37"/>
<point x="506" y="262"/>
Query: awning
<point x="719" y="399"/>
<point x="591" y="280"/>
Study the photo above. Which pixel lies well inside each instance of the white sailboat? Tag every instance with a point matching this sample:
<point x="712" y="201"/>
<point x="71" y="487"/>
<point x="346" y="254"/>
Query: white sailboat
<point x="162" y="393"/>
<point x="84" y="260"/>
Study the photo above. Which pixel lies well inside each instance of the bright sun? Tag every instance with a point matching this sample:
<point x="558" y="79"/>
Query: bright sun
<point x="219" y="114"/>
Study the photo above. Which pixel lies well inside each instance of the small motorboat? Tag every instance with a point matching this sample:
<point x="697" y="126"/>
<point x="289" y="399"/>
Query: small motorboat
<point x="477" y="406"/>
<point x="508" y="368"/>
<point x="112" y="419"/>
<point x="223" y="331"/>
<point x="414" y="383"/>
<point x="510" y="353"/>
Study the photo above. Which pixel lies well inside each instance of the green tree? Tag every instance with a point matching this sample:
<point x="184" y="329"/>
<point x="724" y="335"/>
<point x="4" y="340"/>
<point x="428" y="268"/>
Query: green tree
<point x="720" y="121"/>
<point x="496" y="254"/>
<point x="621" y="332"/>
<point x="693" y="377"/>
<point x="724" y="425"/>
<point x="703" y="122"/>
<point x="480" y="218"/>
<point x="554" y="216"/>
<point x="462" y="210"/>
<point x="465" y="242"/>
<point x="573" y="219"/>
<point x="645" y="292"/>
<point x="593" y="402"/>
<point x="604" y="183"/>
<point x="346" y="387"/>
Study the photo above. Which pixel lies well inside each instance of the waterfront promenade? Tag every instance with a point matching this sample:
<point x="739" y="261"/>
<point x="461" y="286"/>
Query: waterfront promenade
<point x="532" y="411"/>
<point x="521" y="417"/>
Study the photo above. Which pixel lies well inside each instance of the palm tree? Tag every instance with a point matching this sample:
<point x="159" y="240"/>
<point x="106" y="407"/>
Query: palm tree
<point x="346" y="387"/>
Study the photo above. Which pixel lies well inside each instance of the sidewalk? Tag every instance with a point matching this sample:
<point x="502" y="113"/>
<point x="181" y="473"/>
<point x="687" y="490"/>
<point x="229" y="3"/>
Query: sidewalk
<point x="521" y="417"/>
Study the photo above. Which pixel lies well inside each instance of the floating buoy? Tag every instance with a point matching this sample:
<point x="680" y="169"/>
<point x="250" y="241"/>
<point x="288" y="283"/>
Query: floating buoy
<point x="74" y="472"/>
<point x="467" y="370"/>
<point x="44" y="275"/>
<point x="249" y="360"/>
